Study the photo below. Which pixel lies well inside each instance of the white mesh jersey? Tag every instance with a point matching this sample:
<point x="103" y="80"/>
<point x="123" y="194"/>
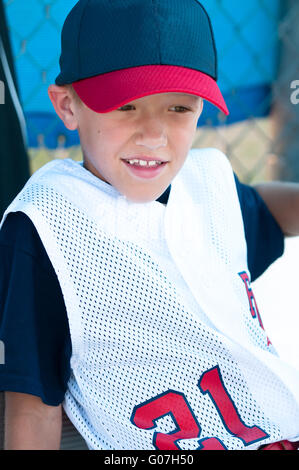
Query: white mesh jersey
<point x="168" y="349"/>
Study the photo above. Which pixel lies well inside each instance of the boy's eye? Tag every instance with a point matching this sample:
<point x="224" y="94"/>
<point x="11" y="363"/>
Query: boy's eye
<point x="180" y="108"/>
<point x="126" y="106"/>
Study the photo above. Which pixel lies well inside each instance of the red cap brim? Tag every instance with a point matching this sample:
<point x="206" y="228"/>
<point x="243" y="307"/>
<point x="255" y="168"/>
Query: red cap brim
<point x="109" y="91"/>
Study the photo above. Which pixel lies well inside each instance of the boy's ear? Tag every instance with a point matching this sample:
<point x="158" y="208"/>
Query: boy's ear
<point x="64" y="106"/>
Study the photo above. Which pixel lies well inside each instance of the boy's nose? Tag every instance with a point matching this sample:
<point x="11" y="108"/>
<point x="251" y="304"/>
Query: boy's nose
<point x="152" y="135"/>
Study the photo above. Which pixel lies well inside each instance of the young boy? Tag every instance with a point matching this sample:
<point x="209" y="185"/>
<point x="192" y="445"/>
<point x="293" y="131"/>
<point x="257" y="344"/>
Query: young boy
<point x="146" y="239"/>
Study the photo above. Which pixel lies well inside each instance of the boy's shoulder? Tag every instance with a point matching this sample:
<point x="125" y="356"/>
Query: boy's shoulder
<point x="19" y="234"/>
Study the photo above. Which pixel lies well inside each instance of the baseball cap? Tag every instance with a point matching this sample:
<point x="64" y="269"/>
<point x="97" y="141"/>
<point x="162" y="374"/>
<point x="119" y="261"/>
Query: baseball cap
<point x="116" y="51"/>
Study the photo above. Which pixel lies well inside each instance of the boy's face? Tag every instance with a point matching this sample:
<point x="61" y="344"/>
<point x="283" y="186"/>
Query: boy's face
<point x="160" y="126"/>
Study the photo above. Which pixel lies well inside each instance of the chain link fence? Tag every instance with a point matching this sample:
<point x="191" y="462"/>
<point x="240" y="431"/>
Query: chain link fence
<point x="261" y="138"/>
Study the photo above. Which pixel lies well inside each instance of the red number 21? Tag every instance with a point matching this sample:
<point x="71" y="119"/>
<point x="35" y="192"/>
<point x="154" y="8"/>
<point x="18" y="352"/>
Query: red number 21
<point x="175" y="405"/>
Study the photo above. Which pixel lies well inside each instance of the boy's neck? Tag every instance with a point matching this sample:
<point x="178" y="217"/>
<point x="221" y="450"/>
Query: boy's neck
<point x="162" y="195"/>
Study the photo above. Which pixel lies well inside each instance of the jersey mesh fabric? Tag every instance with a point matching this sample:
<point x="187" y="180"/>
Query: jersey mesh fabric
<point x="138" y="332"/>
<point x="228" y="252"/>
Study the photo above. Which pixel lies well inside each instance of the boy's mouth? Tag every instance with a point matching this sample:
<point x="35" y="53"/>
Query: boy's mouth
<point x="145" y="169"/>
<point x="145" y="163"/>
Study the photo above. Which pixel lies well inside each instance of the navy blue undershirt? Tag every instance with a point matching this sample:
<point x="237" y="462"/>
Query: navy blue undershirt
<point x="33" y="319"/>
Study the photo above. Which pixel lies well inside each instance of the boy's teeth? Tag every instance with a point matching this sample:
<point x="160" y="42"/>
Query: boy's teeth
<point x="143" y="163"/>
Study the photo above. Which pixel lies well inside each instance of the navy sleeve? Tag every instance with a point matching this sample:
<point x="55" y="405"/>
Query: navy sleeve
<point x="33" y="320"/>
<point x="264" y="237"/>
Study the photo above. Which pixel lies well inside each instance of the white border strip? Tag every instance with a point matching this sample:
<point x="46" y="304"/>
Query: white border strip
<point x="13" y="92"/>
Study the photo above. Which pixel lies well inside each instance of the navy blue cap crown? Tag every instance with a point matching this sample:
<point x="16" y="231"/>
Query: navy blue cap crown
<point x="101" y="36"/>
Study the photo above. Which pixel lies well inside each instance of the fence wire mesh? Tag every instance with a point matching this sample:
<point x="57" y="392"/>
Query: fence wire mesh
<point x="260" y="148"/>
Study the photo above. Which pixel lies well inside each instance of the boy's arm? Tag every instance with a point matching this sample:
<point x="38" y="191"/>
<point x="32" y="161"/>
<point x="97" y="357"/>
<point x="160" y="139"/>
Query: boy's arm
<point x="30" y="424"/>
<point x="282" y="199"/>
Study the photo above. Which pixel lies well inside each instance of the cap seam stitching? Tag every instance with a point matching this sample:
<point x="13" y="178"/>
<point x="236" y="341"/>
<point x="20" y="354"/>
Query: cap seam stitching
<point x="155" y="9"/>
<point x="213" y="37"/>
<point x="79" y="35"/>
